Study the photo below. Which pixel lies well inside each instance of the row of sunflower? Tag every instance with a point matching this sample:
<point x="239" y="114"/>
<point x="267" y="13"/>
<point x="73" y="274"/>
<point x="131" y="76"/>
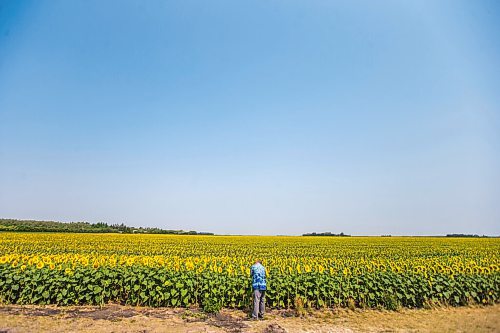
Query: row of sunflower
<point x="213" y="271"/>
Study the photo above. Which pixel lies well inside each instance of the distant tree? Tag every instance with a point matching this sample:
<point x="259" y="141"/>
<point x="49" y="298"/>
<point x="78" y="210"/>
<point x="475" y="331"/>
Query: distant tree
<point x="13" y="225"/>
<point x="465" y="235"/>
<point x="328" y="233"/>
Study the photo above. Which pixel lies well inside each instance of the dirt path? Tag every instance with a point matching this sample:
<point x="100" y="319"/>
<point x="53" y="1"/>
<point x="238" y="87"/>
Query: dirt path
<point x="114" y="318"/>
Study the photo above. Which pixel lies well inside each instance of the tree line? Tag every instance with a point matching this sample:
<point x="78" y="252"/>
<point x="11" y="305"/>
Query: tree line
<point x="466" y="236"/>
<point x="85" y="227"/>
<point x="326" y="234"/>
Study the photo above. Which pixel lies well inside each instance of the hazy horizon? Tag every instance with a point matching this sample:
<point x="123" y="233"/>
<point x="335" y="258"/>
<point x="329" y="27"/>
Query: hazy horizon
<point x="275" y="117"/>
<point x="335" y="234"/>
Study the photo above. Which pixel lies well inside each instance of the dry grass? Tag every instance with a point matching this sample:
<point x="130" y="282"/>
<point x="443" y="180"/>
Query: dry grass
<point x="114" y="318"/>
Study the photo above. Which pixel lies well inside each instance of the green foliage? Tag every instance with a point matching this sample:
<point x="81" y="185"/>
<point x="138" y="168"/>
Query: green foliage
<point x="211" y="305"/>
<point x="391" y="302"/>
<point x="213" y="272"/>
<point x="146" y="286"/>
<point x="84" y="227"/>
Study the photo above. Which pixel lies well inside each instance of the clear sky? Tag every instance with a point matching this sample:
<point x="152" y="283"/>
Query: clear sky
<point x="253" y="117"/>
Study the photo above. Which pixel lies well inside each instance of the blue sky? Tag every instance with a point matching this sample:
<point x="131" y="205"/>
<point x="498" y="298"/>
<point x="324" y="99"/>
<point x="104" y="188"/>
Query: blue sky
<point x="253" y="117"/>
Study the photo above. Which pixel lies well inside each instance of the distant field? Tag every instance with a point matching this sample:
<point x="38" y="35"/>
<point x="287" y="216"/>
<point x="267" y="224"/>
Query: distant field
<point x="212" y="271"/>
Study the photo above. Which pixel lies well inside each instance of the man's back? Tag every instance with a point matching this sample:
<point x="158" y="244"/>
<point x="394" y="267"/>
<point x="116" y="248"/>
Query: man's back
<point x="258" y="273"/>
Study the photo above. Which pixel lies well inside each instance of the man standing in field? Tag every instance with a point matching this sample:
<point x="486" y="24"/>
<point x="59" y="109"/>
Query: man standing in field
<point x="259" y="286"/>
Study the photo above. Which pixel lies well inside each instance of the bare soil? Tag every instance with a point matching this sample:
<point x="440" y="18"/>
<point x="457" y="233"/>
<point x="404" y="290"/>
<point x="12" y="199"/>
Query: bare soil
<point x="117" y="318"/>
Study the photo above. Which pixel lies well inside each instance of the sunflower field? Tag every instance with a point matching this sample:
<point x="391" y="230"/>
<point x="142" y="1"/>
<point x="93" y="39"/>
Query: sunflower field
<point x="213" y="271"/>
